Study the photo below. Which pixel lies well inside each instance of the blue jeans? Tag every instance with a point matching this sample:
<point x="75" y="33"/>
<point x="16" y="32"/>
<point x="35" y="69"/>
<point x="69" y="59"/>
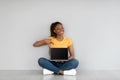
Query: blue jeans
<point x="57" y="66"/>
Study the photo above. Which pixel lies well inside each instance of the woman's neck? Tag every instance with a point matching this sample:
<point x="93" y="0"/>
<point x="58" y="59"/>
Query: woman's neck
<point x="59" y="38"/>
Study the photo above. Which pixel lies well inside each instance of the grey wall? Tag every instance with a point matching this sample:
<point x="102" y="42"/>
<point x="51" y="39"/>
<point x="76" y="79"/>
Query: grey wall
<point x="93" y="26"/>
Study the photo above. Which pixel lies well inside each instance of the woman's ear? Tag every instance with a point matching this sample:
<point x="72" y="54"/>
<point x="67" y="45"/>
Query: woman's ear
<point x="54" y="31"/>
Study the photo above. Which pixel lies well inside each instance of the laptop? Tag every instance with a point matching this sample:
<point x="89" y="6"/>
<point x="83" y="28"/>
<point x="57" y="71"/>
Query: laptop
<point x="58" y="54"/>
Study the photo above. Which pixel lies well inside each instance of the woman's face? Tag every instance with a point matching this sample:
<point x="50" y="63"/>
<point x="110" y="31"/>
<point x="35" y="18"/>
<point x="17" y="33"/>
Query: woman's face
<point x="59" y="29"/>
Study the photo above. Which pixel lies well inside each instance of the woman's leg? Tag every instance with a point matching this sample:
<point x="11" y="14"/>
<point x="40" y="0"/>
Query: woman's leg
<point x="47" y="64"/>
<point x="71" y="64"/>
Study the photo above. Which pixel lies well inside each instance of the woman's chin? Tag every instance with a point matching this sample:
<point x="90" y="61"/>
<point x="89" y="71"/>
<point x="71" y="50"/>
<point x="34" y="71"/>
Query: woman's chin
<point x="60" y="34"/>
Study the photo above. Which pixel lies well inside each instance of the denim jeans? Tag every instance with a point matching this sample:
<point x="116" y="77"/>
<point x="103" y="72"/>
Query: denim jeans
<point x="57" y="66"/>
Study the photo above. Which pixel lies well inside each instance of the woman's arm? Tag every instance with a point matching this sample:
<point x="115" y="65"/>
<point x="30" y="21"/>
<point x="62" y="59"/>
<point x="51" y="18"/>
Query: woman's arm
<point x="71" y="51"/>
<point x="42" y="42"/>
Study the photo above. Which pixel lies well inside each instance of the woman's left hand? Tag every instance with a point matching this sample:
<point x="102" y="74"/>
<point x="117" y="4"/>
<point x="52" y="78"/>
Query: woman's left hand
<point x="70" y="57"/>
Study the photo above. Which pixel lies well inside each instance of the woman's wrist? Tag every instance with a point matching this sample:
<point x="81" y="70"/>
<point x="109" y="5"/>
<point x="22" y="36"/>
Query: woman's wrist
<point x="70" y="57"/>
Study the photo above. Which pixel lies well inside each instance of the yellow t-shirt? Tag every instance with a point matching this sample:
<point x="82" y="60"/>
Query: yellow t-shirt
<point x="65" y="43"/>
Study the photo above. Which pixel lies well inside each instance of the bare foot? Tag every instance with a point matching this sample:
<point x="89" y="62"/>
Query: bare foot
<point x="61" y="72"/>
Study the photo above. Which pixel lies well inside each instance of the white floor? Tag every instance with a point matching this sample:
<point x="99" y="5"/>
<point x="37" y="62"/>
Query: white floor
<point x="37" y="75"/>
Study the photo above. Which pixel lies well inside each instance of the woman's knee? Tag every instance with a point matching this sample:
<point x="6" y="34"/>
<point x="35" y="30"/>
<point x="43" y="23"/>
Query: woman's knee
<point x="41" y="61"/>
<point x="74" y="62"/>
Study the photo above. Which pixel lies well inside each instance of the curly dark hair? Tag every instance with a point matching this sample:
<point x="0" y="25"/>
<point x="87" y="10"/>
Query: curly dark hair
<point x="52" y="28"/>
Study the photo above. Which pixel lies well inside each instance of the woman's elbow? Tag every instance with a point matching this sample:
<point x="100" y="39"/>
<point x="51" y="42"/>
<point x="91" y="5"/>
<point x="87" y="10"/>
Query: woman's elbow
<point x="35" y="45"/>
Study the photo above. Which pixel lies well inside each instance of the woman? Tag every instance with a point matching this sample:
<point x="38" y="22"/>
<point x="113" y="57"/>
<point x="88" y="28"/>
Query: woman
<point x="57" y="40"/>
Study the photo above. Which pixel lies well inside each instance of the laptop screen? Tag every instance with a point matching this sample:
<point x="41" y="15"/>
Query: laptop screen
<point x="57" y="54"/>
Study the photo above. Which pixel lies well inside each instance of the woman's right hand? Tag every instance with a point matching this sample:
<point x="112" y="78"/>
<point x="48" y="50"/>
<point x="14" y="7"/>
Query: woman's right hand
<point x="48" y="41"/>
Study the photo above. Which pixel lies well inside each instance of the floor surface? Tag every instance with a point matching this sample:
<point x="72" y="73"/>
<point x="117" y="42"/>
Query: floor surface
<point x="37" y="75"/>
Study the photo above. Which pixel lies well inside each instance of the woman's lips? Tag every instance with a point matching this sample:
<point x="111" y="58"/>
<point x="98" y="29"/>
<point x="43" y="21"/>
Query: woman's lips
<point x="61" y="32"/>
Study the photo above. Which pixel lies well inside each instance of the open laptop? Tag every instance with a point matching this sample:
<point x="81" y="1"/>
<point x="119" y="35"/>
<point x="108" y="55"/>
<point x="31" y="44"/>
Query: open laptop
<point x="58" y="54"/>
